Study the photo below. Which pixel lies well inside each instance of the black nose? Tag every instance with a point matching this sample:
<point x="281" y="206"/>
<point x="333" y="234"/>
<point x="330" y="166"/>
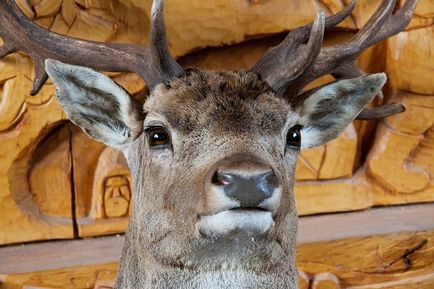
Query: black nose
<point x="248" y="189"/>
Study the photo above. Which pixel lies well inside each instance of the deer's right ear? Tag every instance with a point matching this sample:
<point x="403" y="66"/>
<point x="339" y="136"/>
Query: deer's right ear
<point x="326" y="113"/>
<point x="94" y="102"/>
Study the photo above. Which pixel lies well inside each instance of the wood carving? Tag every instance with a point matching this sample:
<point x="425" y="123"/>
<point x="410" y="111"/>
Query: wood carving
<point x="25" y="122"/>
<point x="98" y="176"/>
<point x="50" y="173"/>
<point x="118" y="21"/>
<point x="25" y="125"/>
<point x="117" y="196"/>
<point x="406" y="140"/>
<point x="212" y="154"/>
<point x="112" y="184"/>
<point x="57" y="183"/>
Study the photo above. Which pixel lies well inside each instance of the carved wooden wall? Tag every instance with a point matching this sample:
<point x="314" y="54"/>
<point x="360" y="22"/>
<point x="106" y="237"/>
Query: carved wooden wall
<point x="57" y="183"/>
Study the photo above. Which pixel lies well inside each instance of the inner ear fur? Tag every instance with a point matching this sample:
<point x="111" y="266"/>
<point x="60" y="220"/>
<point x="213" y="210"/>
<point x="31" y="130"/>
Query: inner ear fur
<point x="326" y="113"/>
<point x="94" y="102"/>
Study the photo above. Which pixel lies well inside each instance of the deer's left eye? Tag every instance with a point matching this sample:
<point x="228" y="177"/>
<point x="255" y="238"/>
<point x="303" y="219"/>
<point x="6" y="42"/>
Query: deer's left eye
<point x="293" y="138"/>
<point x="158" y="137"/>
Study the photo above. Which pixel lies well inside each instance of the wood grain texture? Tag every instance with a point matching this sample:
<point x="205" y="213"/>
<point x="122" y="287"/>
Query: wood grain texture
<point x="312" y="229"/>
<point x="24" y="125"/>
<point x="50" y="174"/>
<point x="371" y="164"/>
<point x="395" y="261"/>
<point x="410" y="62"/>
<point x="387" y="261"/>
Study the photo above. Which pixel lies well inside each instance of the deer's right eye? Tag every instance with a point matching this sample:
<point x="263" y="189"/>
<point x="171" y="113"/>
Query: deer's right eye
<point x="158" y="137"/>
<point x="293" y="138"/>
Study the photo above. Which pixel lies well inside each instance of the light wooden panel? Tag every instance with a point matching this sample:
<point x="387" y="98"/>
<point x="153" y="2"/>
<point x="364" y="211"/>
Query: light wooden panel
<point x="396" y="261"/>
<point x="25" y="124"/>
<point x="329" y="255"/>
<point x="311" y="229"/>
<point x="48" y="175"/>
<point x="103" y="188"/>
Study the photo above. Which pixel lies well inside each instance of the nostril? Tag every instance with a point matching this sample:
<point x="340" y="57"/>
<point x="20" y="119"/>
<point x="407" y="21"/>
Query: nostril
<point x="271" y="180"/>
<point x="220" y="179"/>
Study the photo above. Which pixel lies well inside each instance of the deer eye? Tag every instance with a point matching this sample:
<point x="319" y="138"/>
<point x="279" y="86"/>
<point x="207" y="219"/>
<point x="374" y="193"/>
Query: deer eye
<point x="158" y="136"/>
<point x="293" y="138"/>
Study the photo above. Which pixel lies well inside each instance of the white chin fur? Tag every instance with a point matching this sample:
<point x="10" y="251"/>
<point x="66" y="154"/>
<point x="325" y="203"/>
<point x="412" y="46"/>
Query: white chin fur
<point x="249" y="223"/>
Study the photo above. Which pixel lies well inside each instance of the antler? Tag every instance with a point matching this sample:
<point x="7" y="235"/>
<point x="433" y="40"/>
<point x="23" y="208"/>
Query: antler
<point x="154" y="65"/>
<point x="339" y="60"/>
<point x="162" y="61"/>
<point x="382" y="24"/>
<point x="283" y="64"/>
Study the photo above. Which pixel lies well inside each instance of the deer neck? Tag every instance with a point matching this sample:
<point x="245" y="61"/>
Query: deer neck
<point x="229" y="265"/>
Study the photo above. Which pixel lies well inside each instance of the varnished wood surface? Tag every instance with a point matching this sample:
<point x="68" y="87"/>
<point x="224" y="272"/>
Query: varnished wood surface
<point x="376" y="221"/>
<point x="54" y="179"/>
<point x="321" y="228"/>
<point x="51" y="173"/>
<point x="394" y="261"/>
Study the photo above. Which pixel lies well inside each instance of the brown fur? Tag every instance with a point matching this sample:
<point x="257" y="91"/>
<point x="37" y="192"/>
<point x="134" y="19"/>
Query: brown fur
<point x="182" y="232"/>
<point x="211" y="116"/>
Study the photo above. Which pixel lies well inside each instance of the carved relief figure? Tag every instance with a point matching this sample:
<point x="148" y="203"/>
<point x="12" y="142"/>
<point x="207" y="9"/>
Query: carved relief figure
<point x="111" y="190"/>
<point x="212" y="154"/>
<point x="117" y="196"/>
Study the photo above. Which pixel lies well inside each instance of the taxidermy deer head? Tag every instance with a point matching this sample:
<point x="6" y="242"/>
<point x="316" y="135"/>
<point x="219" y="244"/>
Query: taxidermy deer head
<point x="212" y="154"/>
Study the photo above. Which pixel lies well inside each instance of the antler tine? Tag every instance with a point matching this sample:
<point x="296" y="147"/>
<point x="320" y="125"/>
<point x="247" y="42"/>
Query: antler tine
<point x="330" y="22"/>
<point x="306" y="54"/>
<point x="20" y="33"/>
<point x="287" y="53"/>
<point x="41" y="76"/>
<point x="382" y="25"/>
<point x="339" y="60"/>
<point x="162" y="60"/>
<point x="397" y="22"/>
<point x="363" y="38"/>
<point x="381" y="112"/>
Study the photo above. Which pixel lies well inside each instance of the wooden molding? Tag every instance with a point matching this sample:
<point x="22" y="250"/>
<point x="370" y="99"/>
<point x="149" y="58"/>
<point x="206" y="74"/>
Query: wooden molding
<point x="376" y="221"/>
<point x="86" y="252"/>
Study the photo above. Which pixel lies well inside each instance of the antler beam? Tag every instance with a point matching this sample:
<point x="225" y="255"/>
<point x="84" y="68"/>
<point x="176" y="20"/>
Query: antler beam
<point x="19" y="33"/>
<point x="154" y="65"/>
<point x="163" y="62"/>
<point x="338" y="60"/>
<point x="383" y="24"/>
<point x="291" y="58"/>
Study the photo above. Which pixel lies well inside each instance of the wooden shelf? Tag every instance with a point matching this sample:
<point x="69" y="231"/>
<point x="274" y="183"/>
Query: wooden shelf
<point x="85" y="252"/>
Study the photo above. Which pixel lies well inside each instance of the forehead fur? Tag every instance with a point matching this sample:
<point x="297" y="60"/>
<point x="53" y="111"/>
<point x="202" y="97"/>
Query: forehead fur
<point x="229" y="101"/>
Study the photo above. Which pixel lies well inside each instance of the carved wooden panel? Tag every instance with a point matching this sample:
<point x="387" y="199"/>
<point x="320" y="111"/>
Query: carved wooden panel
<point x="50" y="173"/>
<point x="57" y="183"/>
<point x="103" y="187"/>
<point x="35" y="197"/>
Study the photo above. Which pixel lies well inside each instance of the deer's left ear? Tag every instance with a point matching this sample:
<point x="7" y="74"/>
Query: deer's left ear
<point x="326" y="113"/>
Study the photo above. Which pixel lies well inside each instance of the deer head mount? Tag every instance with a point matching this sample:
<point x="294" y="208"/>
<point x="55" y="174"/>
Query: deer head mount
<point x="212" y="154"/>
